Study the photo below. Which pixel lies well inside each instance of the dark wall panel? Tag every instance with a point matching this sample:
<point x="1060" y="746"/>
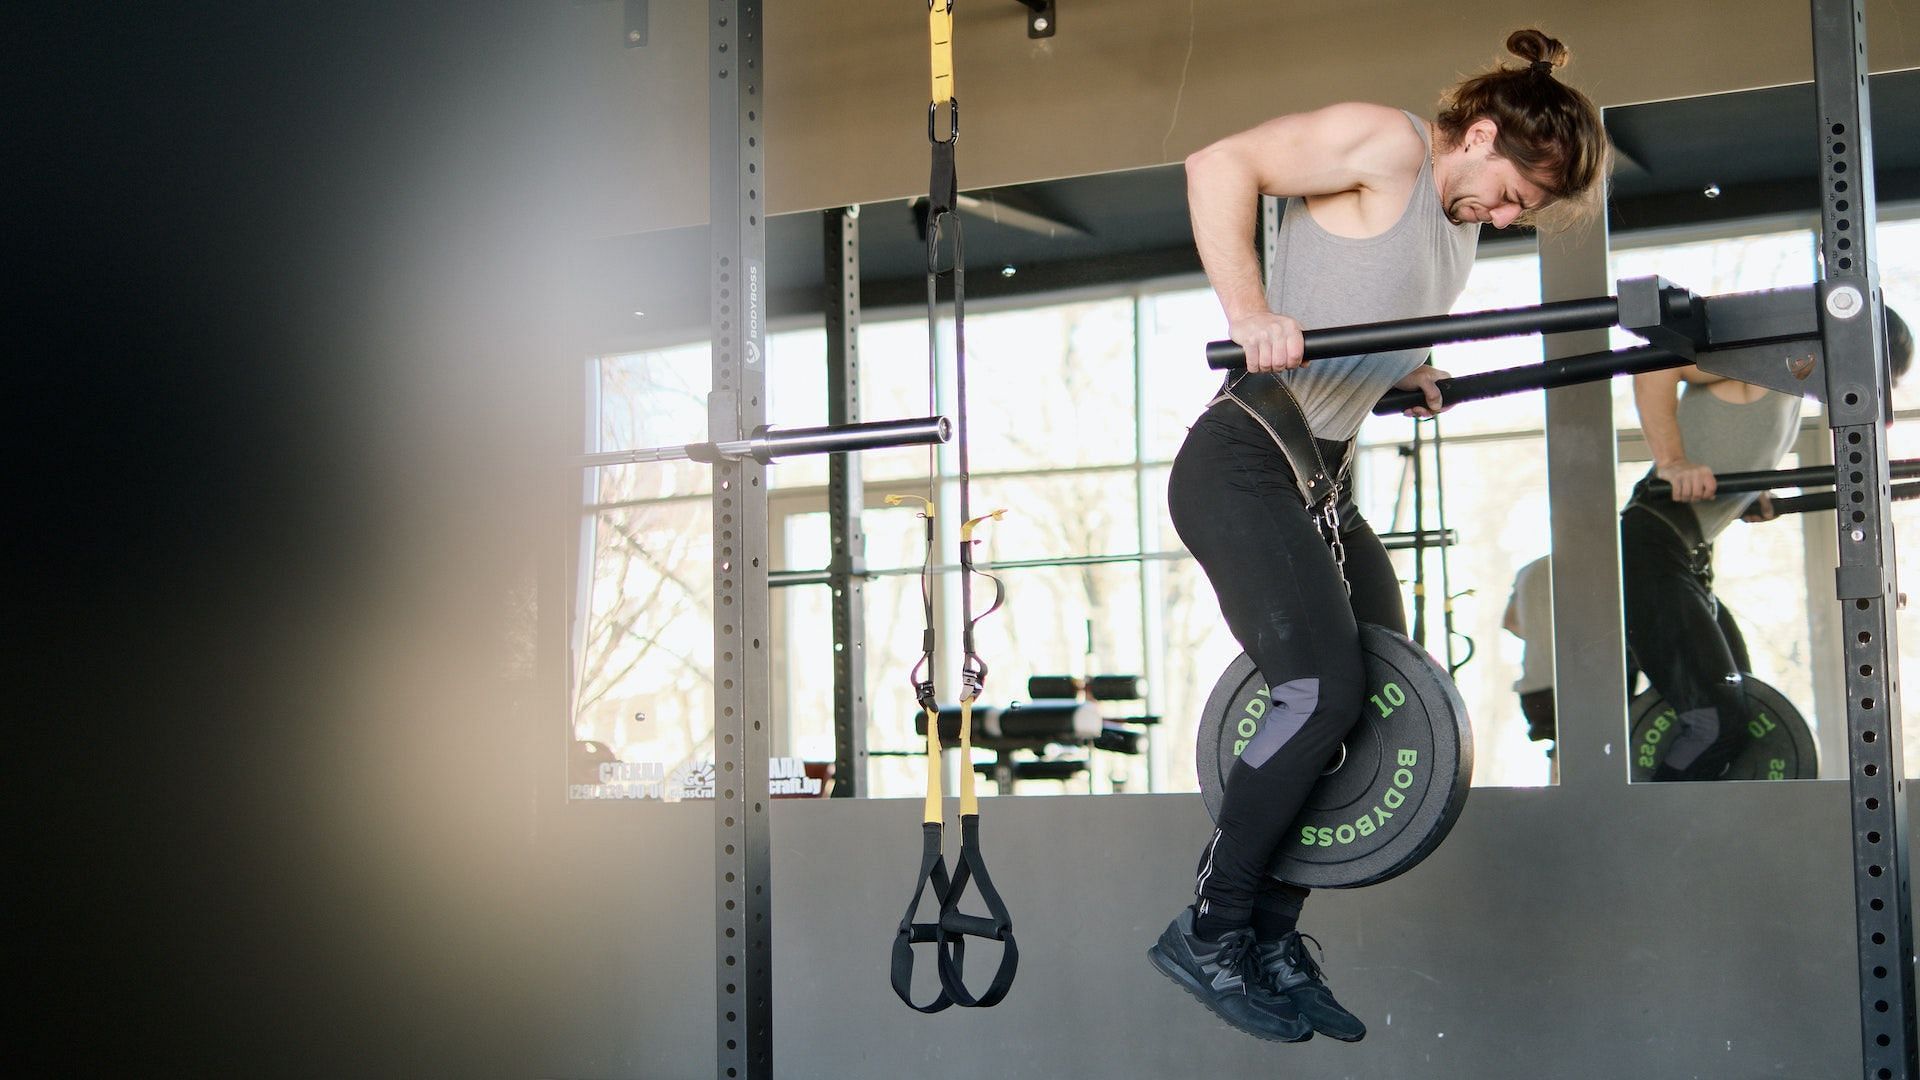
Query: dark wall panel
<point x="1656" y="931"/>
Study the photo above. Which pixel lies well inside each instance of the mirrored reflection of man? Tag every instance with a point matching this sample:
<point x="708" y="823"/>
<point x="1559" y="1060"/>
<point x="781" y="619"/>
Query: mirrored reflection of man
<point x="1529" y="617"/>
<point x="1697" y="426"/>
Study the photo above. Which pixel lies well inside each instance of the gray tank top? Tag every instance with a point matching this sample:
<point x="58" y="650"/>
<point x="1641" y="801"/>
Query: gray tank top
<point x="1727" y="437"/>
<point x="1417" y="267"/>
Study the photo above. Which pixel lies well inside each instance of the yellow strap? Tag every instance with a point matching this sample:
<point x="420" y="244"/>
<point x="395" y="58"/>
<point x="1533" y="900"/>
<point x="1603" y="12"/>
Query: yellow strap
<point x="966" y="528"/>
<point x="935" y="813"/>
<point x="940" y="36"/>
<point x="969" y="803"/>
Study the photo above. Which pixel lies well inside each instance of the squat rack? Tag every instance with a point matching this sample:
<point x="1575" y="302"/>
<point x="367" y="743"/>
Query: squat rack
<point x="1856" y="397"/>
<point x="1857" y="407"/>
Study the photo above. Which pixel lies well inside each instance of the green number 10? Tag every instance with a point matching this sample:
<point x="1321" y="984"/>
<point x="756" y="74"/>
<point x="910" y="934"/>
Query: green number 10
<point x="1395" y="696"/>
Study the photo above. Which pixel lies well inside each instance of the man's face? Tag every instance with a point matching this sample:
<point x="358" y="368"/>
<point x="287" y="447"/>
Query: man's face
<point x="1482" y="187"/>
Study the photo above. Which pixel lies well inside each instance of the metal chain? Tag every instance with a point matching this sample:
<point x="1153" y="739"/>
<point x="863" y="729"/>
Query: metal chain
<point x="1328" y="519"/>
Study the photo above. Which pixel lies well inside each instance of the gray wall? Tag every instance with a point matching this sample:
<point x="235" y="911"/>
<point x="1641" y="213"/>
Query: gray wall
<point x="1662" y="931"/>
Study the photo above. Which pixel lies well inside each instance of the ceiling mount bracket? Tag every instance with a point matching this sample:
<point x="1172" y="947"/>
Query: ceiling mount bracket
<point x="1040" y="18"/>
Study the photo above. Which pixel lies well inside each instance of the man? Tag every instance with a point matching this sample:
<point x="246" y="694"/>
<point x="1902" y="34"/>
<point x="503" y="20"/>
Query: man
<point x="1678" y="632"/>
<point x="1529" y="617"/>
<point x="1382" y="222"/>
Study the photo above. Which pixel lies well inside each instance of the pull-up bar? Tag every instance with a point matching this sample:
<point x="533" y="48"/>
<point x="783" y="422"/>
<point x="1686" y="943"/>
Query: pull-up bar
<point x="767" y="444"/>
<point x="1824" y="500"/>
<point x="1557" y="317"/>
<point x="1736" y="483"/>
<point x="1680" y="328"/>
<point x="1566" y="371"/>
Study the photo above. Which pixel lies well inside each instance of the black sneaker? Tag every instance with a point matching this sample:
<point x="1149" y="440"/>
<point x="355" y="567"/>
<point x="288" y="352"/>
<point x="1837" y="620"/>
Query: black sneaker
<point x="1287" y="967"/>
<point x="1226" y="977"/>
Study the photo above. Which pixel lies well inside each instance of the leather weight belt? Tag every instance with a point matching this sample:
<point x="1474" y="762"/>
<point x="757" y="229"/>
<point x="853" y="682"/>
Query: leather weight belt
<point x="1684" y="522"/>
<point x="1262" y="396"/>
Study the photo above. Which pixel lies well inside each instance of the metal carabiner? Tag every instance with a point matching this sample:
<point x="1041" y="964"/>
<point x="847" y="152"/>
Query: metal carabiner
<point x="953" y="122"/>
<point x="973" y="676"/>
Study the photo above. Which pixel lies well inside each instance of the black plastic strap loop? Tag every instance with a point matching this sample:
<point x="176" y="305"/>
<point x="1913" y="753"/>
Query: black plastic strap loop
<point x="933" y="871"/>
<point x="957" y="926"/>
<point x="974" y="925"/>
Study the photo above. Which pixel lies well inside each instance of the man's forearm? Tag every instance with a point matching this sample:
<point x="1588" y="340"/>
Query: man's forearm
<point x="1664" y="443"/>
<point x="1224" y="201"/>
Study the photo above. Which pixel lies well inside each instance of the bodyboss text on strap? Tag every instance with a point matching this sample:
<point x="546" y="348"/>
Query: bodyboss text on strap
<point x="951" y="927"/>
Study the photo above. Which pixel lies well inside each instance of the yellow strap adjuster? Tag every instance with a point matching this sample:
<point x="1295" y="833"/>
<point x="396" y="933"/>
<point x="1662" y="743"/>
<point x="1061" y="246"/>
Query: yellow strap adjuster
<point x="898" y="500"/>
<point x="966" y="528"/>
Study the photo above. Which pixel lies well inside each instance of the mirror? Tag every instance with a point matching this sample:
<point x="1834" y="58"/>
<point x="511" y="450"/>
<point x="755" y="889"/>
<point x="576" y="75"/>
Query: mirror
<point x="1731" y="623"/>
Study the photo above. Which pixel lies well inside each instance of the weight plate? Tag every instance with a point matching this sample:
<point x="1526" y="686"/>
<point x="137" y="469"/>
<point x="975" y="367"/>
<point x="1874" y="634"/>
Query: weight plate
<point x="1780" y="745"/>
<point x="1393" y="792"/>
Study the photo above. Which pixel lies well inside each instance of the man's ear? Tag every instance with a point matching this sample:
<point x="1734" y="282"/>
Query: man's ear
<point x="1480" y="132"/>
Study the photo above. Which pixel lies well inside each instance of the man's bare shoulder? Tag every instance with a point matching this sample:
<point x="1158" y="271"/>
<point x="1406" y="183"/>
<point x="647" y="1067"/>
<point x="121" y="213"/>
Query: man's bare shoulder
<point x="1377" y="139"/>
<point x="1350" y="146"/>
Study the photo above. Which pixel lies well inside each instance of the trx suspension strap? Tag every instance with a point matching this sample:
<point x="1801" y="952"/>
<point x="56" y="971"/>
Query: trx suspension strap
<point x="949" y="932"/>
<point x="1446" y="580"/>
<point x="933" y="867"/>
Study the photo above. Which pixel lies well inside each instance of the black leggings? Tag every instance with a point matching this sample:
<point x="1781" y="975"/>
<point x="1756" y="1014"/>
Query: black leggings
<point x="1237" y="508"/>
<point x="1679" y="635"/>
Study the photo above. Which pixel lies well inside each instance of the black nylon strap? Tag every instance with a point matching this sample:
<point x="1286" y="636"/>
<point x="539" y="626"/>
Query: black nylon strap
<point x="943" y="183"/>
<point x="933" y="871"/>
<point x="956" y="926"/>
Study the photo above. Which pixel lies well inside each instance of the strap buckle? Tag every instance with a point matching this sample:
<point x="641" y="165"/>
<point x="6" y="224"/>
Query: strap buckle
<point x="1701" y="558"/>
<point x="953" y="122"/>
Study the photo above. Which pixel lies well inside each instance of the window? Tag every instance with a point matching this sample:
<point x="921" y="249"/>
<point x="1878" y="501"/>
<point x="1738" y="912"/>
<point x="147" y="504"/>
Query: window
<point x="1489" y="484"/>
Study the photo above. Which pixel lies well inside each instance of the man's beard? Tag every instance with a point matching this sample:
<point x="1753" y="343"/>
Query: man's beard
<point x="1451" y="198"/>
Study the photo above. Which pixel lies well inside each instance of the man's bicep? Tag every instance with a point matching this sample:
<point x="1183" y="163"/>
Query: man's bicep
<point x="1657" y="388"/>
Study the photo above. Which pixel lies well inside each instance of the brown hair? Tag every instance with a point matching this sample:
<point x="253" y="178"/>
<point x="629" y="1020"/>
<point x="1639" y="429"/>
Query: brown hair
<point x="1549" y="130"/>
<point x="1899" y="346"/>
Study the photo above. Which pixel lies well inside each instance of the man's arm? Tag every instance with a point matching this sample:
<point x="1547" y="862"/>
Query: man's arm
<point x="1350" y="147"/>
<point x="1656" y="394"/>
